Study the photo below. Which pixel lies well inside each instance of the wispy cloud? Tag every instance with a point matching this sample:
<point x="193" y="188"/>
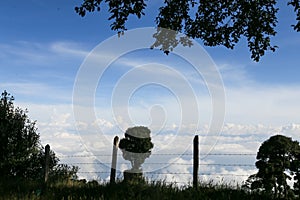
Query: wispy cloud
<point x="234" y="75"/>
<point x="69" y="48"/>
<point x="35" y="92"/>
<point x="41" y="54"/>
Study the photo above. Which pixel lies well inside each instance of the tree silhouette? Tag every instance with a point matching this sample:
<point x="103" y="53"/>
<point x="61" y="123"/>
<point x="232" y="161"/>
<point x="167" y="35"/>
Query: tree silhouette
<point x="278" y="160"/>
<point x="21" y="154"/>
<point x="136" y="147"/>
<point x="20" y="150"/>
<point x="295" y="169"/>
<point x="214" y="22"/>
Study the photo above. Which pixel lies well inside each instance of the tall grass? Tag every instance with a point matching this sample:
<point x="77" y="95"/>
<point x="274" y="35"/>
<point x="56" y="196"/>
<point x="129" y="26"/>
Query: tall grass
<point x="142" y="190"/>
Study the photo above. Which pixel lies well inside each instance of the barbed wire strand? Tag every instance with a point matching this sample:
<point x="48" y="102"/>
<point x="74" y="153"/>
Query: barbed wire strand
<point x="184" y="164"/>
<point x="171" y="173"/>
<point x="107" y="164"/>
<point x="166" y="154"/>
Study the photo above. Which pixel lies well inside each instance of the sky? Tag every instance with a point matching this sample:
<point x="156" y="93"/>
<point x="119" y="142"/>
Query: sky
<point x="51" y="61"/>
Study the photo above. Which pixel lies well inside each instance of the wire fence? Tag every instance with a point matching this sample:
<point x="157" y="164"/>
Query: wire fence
<point x="104" y="167"/>
<point x="165" y="154"/>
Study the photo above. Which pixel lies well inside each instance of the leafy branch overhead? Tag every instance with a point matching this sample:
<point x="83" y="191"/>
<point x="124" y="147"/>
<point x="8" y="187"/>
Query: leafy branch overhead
<point x="214" y="22"/>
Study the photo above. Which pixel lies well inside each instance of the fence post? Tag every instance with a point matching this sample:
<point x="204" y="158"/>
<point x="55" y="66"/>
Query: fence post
<point x="47" y="159"/>
<point x="196" y="162"/>
<point x="114" y="160"/>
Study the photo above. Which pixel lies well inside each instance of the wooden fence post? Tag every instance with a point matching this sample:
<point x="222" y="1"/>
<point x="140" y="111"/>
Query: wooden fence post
<point x="47" y="159"/>
<point x="114" y="160"/>
<point x="196" y="162"/>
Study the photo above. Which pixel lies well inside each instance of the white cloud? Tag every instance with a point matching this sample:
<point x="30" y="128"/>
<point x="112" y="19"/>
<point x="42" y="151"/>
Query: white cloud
<point x="263" y="105"/>
<point x="58" y="129"/>
<point x="291" y="130"/>
<point x="235" y="177"/>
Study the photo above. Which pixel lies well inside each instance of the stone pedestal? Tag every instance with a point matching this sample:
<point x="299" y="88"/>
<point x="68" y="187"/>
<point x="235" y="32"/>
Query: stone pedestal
<point x="133" y="175"/>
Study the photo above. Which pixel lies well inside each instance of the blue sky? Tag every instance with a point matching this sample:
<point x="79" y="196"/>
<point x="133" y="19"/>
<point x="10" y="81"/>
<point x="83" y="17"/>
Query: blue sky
<point x="31" y="25"/>
<point x="44" y="43"/>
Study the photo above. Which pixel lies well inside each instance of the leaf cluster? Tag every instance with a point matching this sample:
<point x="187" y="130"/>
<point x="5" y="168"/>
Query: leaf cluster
<point x="214" y="22"/>
<point x="120" y="10"/>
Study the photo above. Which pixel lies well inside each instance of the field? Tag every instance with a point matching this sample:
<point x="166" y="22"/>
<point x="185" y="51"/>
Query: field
<point x="122" y="190"/>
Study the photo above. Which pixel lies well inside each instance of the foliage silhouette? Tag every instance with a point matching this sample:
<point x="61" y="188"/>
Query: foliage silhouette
<point x="278" y="160"/>
<point x="21" y="154"/>
<point x="63" y="172"/>
<point x="136" y="146"/>
<point x="214" y="22"/>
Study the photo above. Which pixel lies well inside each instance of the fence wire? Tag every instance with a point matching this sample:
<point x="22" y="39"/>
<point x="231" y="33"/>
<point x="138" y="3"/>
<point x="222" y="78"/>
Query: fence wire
<point x="215" y="174"/>
<point x="166" y="154"/>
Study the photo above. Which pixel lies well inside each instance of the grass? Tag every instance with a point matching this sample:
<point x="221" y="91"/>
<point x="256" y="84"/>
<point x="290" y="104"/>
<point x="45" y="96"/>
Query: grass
<point x="123" y="190"/>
